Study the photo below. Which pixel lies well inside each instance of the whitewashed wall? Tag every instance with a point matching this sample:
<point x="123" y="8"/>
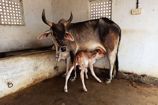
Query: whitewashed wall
<point x="63" y="8"/>
<point x="139" y="44"/>
<point x="22" y="37"/>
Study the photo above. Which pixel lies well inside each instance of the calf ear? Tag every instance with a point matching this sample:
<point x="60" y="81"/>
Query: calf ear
<point x="69" y="37"/>
<point x="101" y="50"/>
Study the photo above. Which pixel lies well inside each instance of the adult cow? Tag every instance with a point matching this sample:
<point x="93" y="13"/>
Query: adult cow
<point x="88" y="35"/>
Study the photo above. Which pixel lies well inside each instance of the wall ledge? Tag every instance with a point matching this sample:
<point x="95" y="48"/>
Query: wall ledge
<point x="21" y="71"/>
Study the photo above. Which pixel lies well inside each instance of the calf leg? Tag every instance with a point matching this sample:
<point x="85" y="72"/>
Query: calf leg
<point x="67" y="78"/>
<point x="82" y="79"/>
<point x="86" y="71"/>
<point x="93" y="74"/>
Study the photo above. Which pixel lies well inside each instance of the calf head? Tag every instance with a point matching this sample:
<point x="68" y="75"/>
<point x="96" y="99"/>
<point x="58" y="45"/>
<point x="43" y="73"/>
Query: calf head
<point x="99" y="53"/>
<point x="59" y="29"/>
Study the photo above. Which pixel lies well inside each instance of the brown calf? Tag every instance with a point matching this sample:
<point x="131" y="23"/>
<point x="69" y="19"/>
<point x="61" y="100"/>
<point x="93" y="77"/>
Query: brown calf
<point x="85" y="59"/>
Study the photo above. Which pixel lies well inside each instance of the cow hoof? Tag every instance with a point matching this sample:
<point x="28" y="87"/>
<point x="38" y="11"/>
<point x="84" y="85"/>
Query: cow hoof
<point x="86" y="77"/>
<point x="56" y="68"/>
<point x="108" y="82"/>
<point x="64" y="75"/>
<point x="99" y="81"/>
<point x="56" y="58"/>
<point x="65" y="90"/>
<point x="85" y="90"/>
<point x="72" y="79"/>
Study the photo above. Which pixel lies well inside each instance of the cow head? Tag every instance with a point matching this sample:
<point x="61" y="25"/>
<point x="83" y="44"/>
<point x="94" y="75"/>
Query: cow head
<point x="59" y="29"/>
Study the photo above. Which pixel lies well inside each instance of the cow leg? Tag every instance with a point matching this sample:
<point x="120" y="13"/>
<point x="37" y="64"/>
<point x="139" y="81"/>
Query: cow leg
<point x="93" y="73"/>
<point x="72" y="57"/>
<point x="67" y="78"/>
<point x="67" y="64"/>
<point x="82" y="79"/>
<point x="56" y="52"/>
<point x="56" y="49"/>
<point x="75" y="75"/>
<point x="56" y="46"/>
<point x="112" y="58"/>
<point x="111" y="61"/>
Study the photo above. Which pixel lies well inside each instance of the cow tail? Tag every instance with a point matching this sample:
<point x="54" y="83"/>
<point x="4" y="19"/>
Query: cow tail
<point x="117" y="61"/>
<point x="116" y="66"/>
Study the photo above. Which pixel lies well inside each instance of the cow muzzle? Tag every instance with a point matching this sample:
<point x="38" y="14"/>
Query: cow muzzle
<point x="63" y="48"/>
<point x="61" y="53"/>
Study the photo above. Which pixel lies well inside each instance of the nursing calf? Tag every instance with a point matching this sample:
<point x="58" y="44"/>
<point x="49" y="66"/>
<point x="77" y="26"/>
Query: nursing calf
<point x="85" y="59"/>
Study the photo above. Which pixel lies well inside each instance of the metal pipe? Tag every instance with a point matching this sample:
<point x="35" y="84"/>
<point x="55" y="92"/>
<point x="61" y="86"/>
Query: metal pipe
<point x="137" y="4"/>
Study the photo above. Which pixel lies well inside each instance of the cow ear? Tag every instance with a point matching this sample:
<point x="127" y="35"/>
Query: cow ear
<point x="42" y="36"/>
<point x="69" y="37"/>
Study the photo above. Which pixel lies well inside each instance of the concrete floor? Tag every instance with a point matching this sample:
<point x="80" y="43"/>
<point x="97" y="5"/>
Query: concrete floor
<point x="50" y="92"/>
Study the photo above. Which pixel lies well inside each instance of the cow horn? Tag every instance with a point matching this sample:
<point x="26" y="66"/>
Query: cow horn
<point x="69" y="20"/>
<point x="45" y="20"/>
